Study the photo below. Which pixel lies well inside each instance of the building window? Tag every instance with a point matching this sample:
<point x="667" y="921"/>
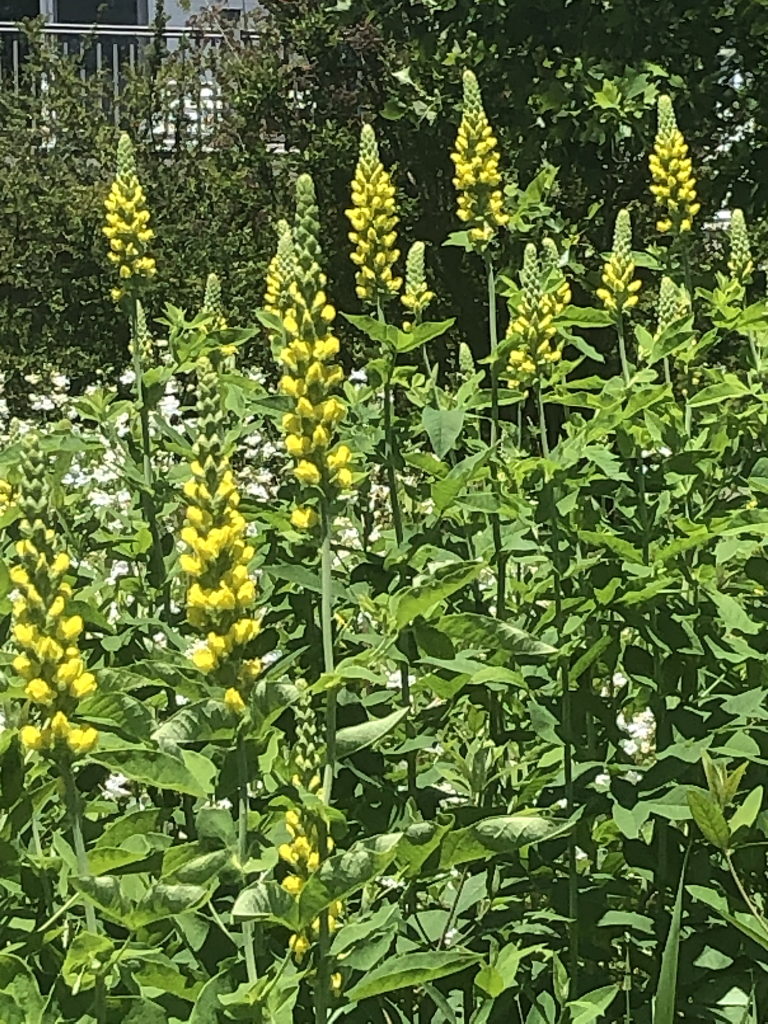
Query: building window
<point x="100" y="12"/>
<point x="15" y="10"/>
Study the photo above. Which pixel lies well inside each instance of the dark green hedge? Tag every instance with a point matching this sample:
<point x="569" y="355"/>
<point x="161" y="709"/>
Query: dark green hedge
<point x="568" y="83"/>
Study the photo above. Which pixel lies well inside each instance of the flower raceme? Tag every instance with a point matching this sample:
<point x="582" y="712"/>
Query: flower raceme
<point x="127" y="223"/>
<point x="44" y="628"/>
<point x="220" y="593"/>
<point x="416" y="297"/>
<point x="373" y="219"/>
<point x="674" y="185"/>
<point x="281" y="274"/>
<point x="740" y="262"/>
<point x="476" y="163"/>
<point x="307" y="355"/>
<point x="302" y="855"/>
<point x="620" y="288"/>
<point x="532" y="330"/>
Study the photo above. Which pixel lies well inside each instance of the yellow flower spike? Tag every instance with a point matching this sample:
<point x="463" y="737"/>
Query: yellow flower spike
<point x="373" y="218"/>
<point x="477" y="177"/>
<point x="127" y="219"/>
<point x="280" y="277"/>
<point x="619" y="291"/>
<point x="674" y="185"/>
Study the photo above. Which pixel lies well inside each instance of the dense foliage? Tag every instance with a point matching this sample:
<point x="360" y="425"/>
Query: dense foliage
<point x="447" y="707"/>
<point x="569" y="86"/>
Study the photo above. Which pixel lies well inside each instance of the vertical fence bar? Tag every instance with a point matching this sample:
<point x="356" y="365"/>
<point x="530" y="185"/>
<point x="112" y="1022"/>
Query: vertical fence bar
<point x="15" y="63"/>
<point x="115" y="84"/>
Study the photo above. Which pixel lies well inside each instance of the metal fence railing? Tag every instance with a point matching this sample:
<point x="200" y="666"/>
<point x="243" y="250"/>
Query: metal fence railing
<point x="112" y="52"/>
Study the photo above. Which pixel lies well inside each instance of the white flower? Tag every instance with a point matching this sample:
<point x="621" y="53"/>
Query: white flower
<point x="358" y="377"/>
<point x="114" y="787"/>
<point x="127" y="377"/>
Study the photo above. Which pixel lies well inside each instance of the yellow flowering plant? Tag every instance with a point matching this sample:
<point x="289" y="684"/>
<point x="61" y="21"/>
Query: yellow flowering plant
<point x="127" y="225"/>
<point x="373" y="219"/>
<point x="674" y="184"/>
<point x="220" y="594"/>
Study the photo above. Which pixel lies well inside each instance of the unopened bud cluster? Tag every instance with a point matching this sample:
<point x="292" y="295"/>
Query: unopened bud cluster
<point x="416" y="296"/>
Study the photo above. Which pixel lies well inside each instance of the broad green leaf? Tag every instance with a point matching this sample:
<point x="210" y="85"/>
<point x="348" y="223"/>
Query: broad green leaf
<point x="120" y="711"/>
<point x="727" y="389"/>
<point x="20" y="999"/>
<point x="207" y="1008"/>
<point x="424" y="598"/>
<point x="267" y="901"/>
<point x="709" y="817"/>
<point x="592" y="1006"/>
<point x="484" y="631"/>
<point x="498" y="835"/>
<point x="410" y="970"/>
<point x="443" y="427"/>
<point x="406" y="341"/>
<point x="357" y="737"/>
<point x="205" y="720"/>
<point x="83" y="953"/>
<point x="346" y="873"/>
<point x="746" y="813"/>
<point x="152" y="767"/>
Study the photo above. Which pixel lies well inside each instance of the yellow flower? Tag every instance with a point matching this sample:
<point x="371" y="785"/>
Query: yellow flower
<point x="81" y="740"/>
<point x="60" y="726"/>
<point x="620" y="288"/>
<point x="417" y="295"/>
<point x="31" y="737"/>
<point x="304" y="518"/>
<point x="234" y="701"/>
<point x="39" y="691"/>
<point x="307" y="473"/>
<point x="477" y="178"/>
<point x="204" y="659"/>
<point x="674" y="185"/>
<point x="127" y="219"/>
<point x="373" y="219"/>
<point x="83" y="686"/>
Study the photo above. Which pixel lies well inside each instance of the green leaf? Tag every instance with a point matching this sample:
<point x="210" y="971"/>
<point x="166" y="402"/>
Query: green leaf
<point x="746" y="814"/>
<point x="708" y="815"/>
<point x="205" y="720"/>
<point x="152" y="767"/>
<point x="666" y="991"/>
<point x="346" y="873"/>
<point x="267" y="901"/>
<point x="483" y="631"/>
<point x="20" y="999"/>
<point x="406" y="341"/>
<point x="498" y="835"/>
<point x="727" y="389"/>
<point x="357" y="737"/>
<point x="592" y="1006"/>
<point x="586" y="316"/>
<point x="82" y="957"/>
<point x="443" y="427"/>
<point x="410" y="970"/>
<point x="424" y="598"/>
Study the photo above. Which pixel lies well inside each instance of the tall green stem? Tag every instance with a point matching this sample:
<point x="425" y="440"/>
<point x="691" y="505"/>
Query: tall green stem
<point x="568" y="727"/>
<point x="242" y="848"/>
<point x="397" y="520"/>
<point x="542" y="421"/>
<point x="148" y="503"/>
<point x="493" y="341"/>
<point x="622" y="349"/>
<point x="323" y="983"/>
<point x="75" y="811"/>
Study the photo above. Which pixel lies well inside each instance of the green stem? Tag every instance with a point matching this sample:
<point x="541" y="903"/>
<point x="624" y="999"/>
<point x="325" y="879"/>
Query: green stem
<point x="242" y="848"/>
<point x="493" y="341"/>
<point x="568" y="726"/>
<point x="156" y="565"/>
<point x="74" y="808"/>
<point x="542" y="421"/>
<point x="397" y="519"/>
<point x="322" y="985"/>
<point x="622" y="349"/>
